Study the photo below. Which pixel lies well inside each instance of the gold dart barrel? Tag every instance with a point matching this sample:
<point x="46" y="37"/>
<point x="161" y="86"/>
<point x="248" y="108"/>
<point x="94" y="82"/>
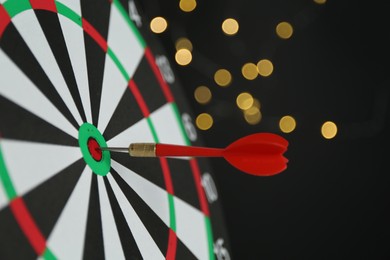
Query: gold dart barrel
<point x="142" y="150"/>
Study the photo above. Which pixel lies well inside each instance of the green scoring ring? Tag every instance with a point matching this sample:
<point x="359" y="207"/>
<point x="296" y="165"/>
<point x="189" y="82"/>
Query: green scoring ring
<point x="86" y="132"/>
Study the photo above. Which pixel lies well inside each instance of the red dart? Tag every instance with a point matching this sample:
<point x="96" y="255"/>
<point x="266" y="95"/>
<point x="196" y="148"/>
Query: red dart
<point x="258" y="154"/>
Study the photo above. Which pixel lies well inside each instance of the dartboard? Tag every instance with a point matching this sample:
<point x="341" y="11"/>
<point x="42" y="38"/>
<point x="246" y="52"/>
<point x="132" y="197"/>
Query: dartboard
<point x="76" y="76"/>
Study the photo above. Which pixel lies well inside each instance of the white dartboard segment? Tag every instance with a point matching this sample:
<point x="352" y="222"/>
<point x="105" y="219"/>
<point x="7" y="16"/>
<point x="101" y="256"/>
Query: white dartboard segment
<point x="165" y="123"/>
<point x="167" y="126"/>
<point x="155" y="197"/>
<point x="139" y="132"/>
<point x="20" y="90"/>
<point x="74" y="40"/>
<point x="114" y="86"/>
<point x="30" y="164"/>
<point x="146" y="245"/>
<point x="190" y="228"/>
<point x="29" y="28"/>
<point x="112" y="244"/>
<point x="72" y="5"/>
<point x="123" y="42"/>
<point x="66" y="240"/>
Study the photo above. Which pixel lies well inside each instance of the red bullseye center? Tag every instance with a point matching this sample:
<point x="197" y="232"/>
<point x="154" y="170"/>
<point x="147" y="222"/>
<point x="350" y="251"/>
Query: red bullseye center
<point x="94" y="149"/>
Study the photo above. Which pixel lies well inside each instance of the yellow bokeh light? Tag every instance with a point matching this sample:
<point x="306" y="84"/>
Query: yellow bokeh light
<point x="230" y="26"/>
<point x="183" y="57"/>
<point x="252" y="115"/>
<point x="244" y="101"/>
<point x="320" y="2"/>
<point x="329" y="130"/>
<point x="256" y="103"/>
<point x="223" y="77"/>
<point x="284" y="30"/>
<point x="265" y="67"/>
<point x="158" y="24"/>
<point x="183" y="43"/>
<point x="287" y="124"/>
<point x="204" y="121"/>
<point x="202" y="94"/>
<point x="187" y="5"/>
<point x="249" y="71"/>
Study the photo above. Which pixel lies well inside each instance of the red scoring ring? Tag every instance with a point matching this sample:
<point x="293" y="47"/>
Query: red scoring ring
<point x="94" y="149"/>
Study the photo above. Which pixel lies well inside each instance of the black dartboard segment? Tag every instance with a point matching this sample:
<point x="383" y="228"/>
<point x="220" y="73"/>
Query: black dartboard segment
<point x="77" y="73"/>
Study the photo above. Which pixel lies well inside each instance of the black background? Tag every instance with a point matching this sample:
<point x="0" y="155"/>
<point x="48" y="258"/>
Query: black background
<point x="333" y="200"/>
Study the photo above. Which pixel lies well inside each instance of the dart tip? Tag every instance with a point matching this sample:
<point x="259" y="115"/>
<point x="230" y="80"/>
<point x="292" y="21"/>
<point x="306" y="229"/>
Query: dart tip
<point x="114" y="149"/>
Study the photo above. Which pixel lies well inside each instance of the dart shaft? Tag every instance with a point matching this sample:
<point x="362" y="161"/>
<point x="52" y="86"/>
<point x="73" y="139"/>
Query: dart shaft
<point x="180" y="150"/>
<point x="165" y="150"/>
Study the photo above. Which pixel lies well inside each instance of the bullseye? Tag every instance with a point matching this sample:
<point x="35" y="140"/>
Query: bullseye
<point x="90" y="142"/>
<point x="94" y="149"/>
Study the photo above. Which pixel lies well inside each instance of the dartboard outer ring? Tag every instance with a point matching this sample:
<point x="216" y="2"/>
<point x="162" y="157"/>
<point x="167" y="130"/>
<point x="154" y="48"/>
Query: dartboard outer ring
<point x="28" y="234"/>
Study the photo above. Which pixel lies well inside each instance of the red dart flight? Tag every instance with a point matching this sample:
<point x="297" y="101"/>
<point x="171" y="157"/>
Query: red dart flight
<point x="258" y="154"/>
